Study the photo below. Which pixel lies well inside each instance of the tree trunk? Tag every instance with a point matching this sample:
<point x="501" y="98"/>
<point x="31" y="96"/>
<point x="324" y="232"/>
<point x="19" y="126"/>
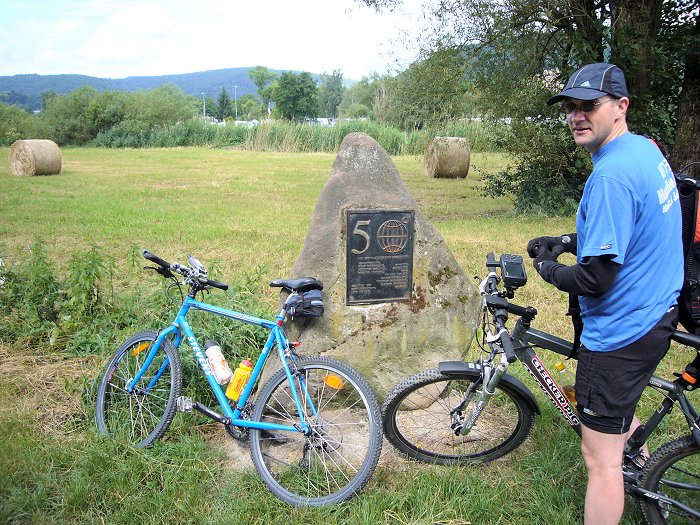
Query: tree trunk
<point x="586" y="21"/>
<point x="687" y="145"/>
<point x="635" y="27"/>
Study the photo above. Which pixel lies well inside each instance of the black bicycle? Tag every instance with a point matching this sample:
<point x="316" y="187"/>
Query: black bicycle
<point x="463" y="412"/>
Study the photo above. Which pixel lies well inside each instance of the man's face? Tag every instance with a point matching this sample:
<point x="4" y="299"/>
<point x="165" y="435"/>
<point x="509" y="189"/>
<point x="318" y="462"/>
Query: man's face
<point x="594" y="123"/>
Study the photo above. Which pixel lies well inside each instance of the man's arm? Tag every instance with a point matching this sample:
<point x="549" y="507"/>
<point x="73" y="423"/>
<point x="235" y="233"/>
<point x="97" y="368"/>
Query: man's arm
<point x="592" y="277"/>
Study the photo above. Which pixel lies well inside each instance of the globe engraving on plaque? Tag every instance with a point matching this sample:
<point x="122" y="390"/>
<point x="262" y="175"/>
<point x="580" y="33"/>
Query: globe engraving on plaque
<point x="393" y="236"/>
<point x="379" y="256"/>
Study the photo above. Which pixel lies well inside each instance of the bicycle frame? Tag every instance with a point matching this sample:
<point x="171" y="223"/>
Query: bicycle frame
<point x="181" y="326"/>
<point x="517" y="345"/>
<point x="525" y="337"/>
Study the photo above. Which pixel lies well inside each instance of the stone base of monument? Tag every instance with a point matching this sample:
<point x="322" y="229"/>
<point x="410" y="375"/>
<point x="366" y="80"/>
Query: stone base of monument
<point x="396" y="300"/>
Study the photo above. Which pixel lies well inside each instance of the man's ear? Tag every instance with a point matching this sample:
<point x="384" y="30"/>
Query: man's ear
<point x="622" y="105"/>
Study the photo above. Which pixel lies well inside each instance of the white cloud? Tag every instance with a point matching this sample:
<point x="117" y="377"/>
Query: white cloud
<point x="154" y="37"/>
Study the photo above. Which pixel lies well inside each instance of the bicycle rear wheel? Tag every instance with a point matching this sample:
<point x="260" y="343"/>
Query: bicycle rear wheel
<point x="674" y="471"/>
<point x="142" y="416"/>
<point x="417" y="419"/>
<point x="333" y="460"/>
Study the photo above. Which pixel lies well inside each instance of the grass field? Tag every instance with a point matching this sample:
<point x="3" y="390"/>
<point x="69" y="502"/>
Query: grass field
<point x="245" y="210"/>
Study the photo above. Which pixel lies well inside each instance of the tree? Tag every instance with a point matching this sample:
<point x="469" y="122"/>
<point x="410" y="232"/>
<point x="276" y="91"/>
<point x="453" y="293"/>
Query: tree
<point x="71" y="116"/>
<point x="45" y="97"/>
<point x="330" y="93"/>
<point x="211" y="106"/>
<point x="686" y="148"/>
<point x="295" y="96"/>
<point x="359" y="95"/>
<point x="432" y="91"/>
<point x="79" y="116"/>
<point x="163" y="106"/>
<point x="249" y="108"/>
<point x="223" y="106"/>
<point x="17" y="123"/>
<point x="263" y="78"/>
<point x="519" y="52"/>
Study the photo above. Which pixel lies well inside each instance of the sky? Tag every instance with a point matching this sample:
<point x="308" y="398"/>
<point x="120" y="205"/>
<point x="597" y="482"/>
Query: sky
<point x="120" y="38"/>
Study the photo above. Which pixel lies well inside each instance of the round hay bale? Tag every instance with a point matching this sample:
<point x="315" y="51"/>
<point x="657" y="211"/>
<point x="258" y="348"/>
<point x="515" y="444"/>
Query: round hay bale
<point x="447" y="157"/>
<point x="35" y="157"/>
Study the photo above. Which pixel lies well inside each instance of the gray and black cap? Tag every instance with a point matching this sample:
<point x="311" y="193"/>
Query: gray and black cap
<point x="593" y="81"/>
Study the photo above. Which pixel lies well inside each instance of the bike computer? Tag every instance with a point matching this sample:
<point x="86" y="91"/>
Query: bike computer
<point x="513" y="270"/>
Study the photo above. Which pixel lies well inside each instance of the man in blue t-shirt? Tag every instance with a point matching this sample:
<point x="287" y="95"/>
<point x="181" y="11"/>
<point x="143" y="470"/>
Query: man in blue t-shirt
<point x="627" y="276"/>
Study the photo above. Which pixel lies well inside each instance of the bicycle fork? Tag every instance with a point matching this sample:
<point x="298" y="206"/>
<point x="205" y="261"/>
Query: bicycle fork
<point x="491" y="376"/>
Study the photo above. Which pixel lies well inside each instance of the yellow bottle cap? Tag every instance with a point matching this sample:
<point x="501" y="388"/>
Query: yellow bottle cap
<point x="560" y="366"/>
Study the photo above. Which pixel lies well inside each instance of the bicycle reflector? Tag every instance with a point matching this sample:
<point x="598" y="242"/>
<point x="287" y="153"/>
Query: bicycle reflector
<point x="139" y="349"/>
<point x="334" y="381"/>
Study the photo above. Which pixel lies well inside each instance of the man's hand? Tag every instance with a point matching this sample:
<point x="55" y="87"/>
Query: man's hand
<point x="545" y="254"/>
<point x="564" y="243"/>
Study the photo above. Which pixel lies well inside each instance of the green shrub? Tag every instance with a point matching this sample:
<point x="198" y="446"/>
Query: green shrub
<point x="17" y="124"/>
<point x="549" y="172"/>
<point x="80" y="313"/>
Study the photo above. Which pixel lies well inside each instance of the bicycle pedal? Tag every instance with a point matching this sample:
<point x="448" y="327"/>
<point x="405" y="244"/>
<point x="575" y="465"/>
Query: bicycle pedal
<point x="184" y="404"/>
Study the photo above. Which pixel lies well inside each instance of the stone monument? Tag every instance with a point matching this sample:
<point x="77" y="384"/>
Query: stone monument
<point x="396" y="301"/>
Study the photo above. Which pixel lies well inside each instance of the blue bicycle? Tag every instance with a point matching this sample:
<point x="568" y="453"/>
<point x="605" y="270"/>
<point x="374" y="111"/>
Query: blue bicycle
<point x="314" y="427"/>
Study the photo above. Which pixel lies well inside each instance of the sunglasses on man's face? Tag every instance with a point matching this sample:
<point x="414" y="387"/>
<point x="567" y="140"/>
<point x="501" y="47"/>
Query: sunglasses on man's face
<point x="568" y="107"/>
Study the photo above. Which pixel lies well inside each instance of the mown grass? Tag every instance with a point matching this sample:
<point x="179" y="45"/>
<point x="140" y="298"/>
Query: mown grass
<point x="244" y="210"/>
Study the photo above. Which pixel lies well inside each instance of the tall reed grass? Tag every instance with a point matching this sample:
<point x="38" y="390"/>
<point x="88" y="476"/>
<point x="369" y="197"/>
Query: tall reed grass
<point x="298" y="137"/>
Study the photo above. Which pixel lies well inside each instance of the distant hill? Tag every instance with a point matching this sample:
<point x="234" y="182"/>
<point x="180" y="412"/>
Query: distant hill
<point x="26" y="90"/>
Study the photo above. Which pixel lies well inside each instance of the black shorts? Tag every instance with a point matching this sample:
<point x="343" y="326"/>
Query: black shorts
<point x="609" y="384"/>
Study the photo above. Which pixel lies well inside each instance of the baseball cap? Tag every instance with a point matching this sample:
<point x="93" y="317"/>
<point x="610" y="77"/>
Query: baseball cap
<point x="593" y="81"/>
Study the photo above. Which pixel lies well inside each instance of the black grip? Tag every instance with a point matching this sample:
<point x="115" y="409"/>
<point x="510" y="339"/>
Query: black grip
<point x="217" y="284"/>
<point x="154" y="258"/>
<point x="491" y="261"/>
<point x="528" y="312"/>
<point x="495" y="301"/>
<point x="507" y="345"/>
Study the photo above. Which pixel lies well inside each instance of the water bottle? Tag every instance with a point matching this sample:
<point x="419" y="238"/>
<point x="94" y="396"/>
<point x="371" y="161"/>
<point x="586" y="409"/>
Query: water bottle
<point x="567" y="381"/>
<point x="217" y="362"/>
<point x="240" y="378"/>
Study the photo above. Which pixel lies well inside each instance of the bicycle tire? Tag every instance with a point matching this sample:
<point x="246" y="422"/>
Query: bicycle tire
<point x="140" y="417"/>
<point x="417" y="419"/>
<point x="675" y="463"/>
<point x="336" y="459"/>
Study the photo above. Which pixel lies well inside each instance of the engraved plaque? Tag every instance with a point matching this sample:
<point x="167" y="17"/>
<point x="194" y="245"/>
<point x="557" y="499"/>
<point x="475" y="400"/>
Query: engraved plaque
<point x="379" y="256"/>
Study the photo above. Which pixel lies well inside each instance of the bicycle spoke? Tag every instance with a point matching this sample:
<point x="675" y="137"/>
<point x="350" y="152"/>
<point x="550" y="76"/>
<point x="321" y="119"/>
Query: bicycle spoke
<point x="330" y="459"/>
<point x="138" y="416"/>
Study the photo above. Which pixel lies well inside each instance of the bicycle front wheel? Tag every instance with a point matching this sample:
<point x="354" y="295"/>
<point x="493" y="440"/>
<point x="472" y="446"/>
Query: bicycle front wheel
<point x="336" y="456"/>
<point x="418" y="418"/>
<point x="141" y="416"/>
<point x="673" y="471"/>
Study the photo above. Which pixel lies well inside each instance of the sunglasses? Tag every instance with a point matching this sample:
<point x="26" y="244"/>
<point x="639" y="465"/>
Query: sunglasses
<point x="568" y="107"/>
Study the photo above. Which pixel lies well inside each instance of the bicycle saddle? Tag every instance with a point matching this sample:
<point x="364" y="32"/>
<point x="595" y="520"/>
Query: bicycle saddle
<point x="303" y="284"/>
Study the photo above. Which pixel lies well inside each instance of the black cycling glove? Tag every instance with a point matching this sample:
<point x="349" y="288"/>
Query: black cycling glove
<point x="547" y="258"/>
<point x="567" y="243"/>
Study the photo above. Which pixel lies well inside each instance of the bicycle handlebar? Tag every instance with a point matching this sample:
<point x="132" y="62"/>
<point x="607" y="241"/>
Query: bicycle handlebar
<point x="166" y="269"/>
<point x="217" y="284"/>
<point x="154" y="258"/>
<point x="496" y="301"/>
